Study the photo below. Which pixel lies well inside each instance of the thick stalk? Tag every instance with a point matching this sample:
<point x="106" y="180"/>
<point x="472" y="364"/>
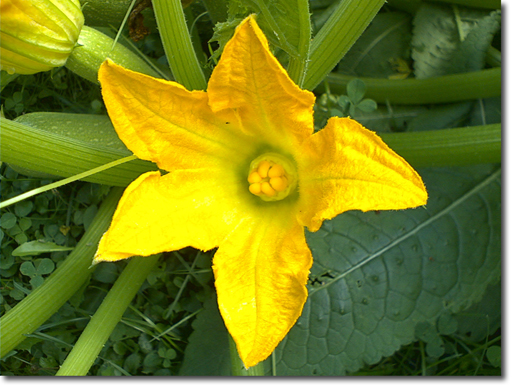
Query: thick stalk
<point x="105" y="319"/>
<point x="437" y="90"/>
<point x="238" y="368"/>
<point x="337" y="36"/>
<point x="43" y="151"/>
<point x="298" y="65"/>
<point x="45" y="300"/>
<point x="448" y="147"/>
<point x="178" y="45"/>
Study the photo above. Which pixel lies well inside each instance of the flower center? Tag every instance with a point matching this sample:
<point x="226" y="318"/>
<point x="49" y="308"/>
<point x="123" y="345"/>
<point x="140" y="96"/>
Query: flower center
<point x="272" y="177"/>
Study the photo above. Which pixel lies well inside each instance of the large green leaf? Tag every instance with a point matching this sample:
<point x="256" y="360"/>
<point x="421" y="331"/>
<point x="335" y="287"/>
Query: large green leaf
<point x="376" y="276"/>
<point x="378" y="50"/>
<point x="448" y="40"/>
<point x="279" y="19"/>
<point x="382" y="280"/>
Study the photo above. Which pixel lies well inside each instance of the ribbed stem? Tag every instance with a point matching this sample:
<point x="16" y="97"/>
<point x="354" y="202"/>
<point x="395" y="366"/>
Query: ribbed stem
<point x="448" y="147"/>
<point x="298" y="65"/>
<point x="178" y="45"/>
<point x="105" y="319"/>
<point x="337" y="36"/>
<point x="43" y="151"/>
<point x="45" y="300"/>
<point x="437" y="90"/>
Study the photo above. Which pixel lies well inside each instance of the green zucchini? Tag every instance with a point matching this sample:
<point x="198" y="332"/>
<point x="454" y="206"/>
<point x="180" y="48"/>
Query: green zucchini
<point x="94" y="47"/>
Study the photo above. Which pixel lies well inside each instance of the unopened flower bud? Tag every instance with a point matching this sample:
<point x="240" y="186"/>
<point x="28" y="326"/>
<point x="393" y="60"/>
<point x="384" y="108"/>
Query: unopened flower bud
<point x="37" y="35"/>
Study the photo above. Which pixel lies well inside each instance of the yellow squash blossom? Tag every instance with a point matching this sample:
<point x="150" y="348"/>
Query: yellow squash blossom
<point x="246" y="174"/>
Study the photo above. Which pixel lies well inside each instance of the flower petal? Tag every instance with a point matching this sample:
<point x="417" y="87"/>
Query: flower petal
<point x="251" y="82"/>
<point x="164" y="213"/>
<point x="261" y="270"/>
<point x="347" y="167"/>
<point x="163" y="122"/>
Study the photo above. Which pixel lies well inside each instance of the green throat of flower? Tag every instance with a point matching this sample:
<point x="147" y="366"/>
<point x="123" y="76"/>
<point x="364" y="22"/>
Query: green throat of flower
<point x="272" y="177"/>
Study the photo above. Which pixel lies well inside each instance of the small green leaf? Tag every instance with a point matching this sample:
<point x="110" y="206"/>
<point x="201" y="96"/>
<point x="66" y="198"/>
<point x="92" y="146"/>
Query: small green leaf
<point x="28" y="269"/>
<point x="344" y="102"/>
<point x="494" y="355"/>
<point x="106" y="273"/>
<point x="356" y="90"/>
<point x="367" y="105"/>
<point x="132" y="363"/>
<point x="21" y="238"/>
<point x="152" y="360"/>
<point x="36" y="281"/>
<point x="16" y="294"/>
<point x="447" y="324"/>
<point x="48" y="362"/>
<point x="89" y="214"/>
<point x="25" y="224"/>
<point x="44" y="266"/>
<point x="8" y="220"/>
<point x="338" y="113"/>
<point x="435" y="348"/>
<point x="23" y="209"/>
<point x="51" y="230"/>
<point x="34" y="248"/>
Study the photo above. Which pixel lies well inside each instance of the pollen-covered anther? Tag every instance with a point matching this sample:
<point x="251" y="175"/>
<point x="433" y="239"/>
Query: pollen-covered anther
<point x="271" y="177"/>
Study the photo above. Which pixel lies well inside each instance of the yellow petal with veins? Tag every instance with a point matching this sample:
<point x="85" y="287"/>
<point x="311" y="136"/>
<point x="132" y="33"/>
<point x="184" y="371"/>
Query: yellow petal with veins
<point x="163" y="122"/>
<point x="251" y="83"/>
<point x="347" y="167"/>
<point x="261" y="270"/>
<point x="165" y="213"/>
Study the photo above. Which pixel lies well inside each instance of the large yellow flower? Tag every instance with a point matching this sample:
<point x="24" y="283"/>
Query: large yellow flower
<point x="246" y="173"/>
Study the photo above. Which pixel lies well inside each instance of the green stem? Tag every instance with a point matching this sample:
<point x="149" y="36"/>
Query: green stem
<point x="105" y="319"/>
<point x="45" y="300"/>
<point x="298" y="65"/>
<point x="238" y="368"/>
<point x="448" y="147"/>
<point x="177" y="43"/>
<point x="39" y="150"/>
<point x="62" y="182"/>
<point x="437" y="90"/>
<point x="94" y="47"/>
<point x="337" y="36"/>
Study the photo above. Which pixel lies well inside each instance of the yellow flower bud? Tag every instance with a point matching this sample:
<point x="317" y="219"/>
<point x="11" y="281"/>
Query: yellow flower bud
<point x="37" y="35"/>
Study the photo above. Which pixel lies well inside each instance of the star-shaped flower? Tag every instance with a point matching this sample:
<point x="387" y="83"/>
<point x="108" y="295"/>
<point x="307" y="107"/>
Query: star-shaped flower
<point x="246" y="174"/>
